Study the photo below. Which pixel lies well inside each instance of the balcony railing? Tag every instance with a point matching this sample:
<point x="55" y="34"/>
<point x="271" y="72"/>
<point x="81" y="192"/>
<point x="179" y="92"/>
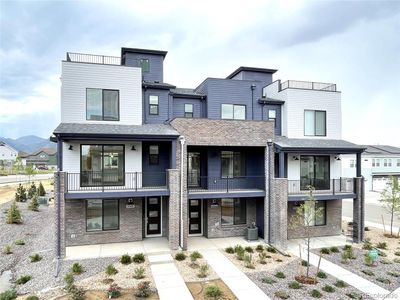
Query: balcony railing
<point x="109" y="181"/>
<point x="93" y="58"/>
<point x="331" y="187"/>
<point x="218" y="184"/>
<point x="308" y="85"/>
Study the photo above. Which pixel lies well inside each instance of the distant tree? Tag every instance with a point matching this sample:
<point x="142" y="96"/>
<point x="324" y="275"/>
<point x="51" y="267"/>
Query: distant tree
<point x="390" y="198"/>
<point x="13" y="214"/>
<point x="30" y="171"/>
<point x="32" y="190"/>
<point x="41" y="190"/>
<point x="17" y="164"/>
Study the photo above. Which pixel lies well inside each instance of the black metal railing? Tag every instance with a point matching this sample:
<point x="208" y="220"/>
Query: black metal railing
<point x="93" y="58"/>
<point x="224" y="184"/>
<point x="102" y="181"/>
<point x="308" y="85"/>
<point x="329" y="187"/>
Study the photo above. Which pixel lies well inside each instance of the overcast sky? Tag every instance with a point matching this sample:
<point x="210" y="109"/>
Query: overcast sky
<point x="353" y="44"/>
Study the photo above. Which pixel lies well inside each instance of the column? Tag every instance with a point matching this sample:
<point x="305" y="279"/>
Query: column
<point x="60" y="189"/>
<point x="358" y="210"/>
<point x="173" y="213"/>
<point x="279" y="213"/>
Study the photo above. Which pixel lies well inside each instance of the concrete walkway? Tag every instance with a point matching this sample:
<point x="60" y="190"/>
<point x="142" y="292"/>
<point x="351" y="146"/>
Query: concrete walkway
<point x="236" y="280"/>
<point x="169" y="283"/>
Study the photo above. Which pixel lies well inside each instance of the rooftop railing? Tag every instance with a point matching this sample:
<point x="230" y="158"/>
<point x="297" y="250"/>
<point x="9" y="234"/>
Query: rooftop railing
<point x="308" y="85"/>
<point x="93" y="59"/>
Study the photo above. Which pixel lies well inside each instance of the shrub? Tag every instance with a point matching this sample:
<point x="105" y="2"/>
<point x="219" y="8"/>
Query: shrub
<point x="13" y="214"/>
<point x="139" y="273"/>
<point x="328" y="288"/>
<point x="381" y="253"/>
<point x="280" y="275"/>
<point x="114" y="291"/>
<point x="368" y="261"/>
<point x="397" y="253"/>
<point x="8" y="295"/>
<point x="203" y="271"/>
<point x="69" y="281"/>
<point x="213" y="291"/>
<point x="35" y="257"/>
<point x="271" y="249"/>
<point x="7" y="249"/>
<point x="262" y="258"/>
<point x="316" y="294"/>
<point x="32" y="297"/>
<point x="143" y="289"/>
<point x="347" y="247"/>
<point x="230" y="250"/>
<point x="20" y="195"/>
<point x="367" y="245"/>
<point x="248" y="261"/>
<point x="340" y="284"/>
<point x="77" y="269"/>
<point x="240" y="253"/>
<point x="32" y="190"/>
<point x="350" y="223"/>
<point x="354" y="295"/>
<point x="304" y="263"/>
<point x="180" y="256"/>
<point x="385" y="261"/>
<point x="279" y="260"/>
<point x="195" y="255"/>
<point x="334" y="249"/>
<point x="138" y="258"/>
<point x="111" y="270"/>
<point x="23" y="279"/>
<point x="393" y="274"/>
<point x="366" y="228"/>
<point x="321" y="274"/>
<point x="19" y="242"/>
<point x="125" y="259"/>
<point x="34" y="204"/>
<point x="268" y="280"/>
<point x="238" y="248"/>
<point x="294" y="285"/>
<point x="249" y="249"/>
<point x="382" y="245"/>
<point x="77" y="293"/>
<point x="282" y="295"/>
<point x="259" y="248"/>
<point x="396" y="260"/>
<point x="41" y="190"/>
<point x="325" y="251"/>
<point x="368" y="272"/>
<point x="383" y="280"/>
<point x="348" y="254"/>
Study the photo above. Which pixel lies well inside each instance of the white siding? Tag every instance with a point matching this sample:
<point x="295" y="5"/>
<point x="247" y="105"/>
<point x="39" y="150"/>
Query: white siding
<point x="76" y="77"/>
<point x="8" y="153"/>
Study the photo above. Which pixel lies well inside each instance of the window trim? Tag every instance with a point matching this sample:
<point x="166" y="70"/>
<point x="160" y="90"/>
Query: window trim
<point x="190" y="113"/>
<point x="158" y="156"/>
<point x="102" y="215"/>
<point x="234" y="224"/>
<point x="315" y="122"/>
<point x="272" y="119"/>
<point x="156" y="105"/>
<point x="233" y="111"/>
<point x="102" y="104"/>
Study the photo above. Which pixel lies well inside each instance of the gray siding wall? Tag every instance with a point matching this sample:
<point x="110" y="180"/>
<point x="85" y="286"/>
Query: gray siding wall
<point x="156" y="65"/>
<point x="163" y="106"/>
<point x="156" y="174"/>
<point x="278" y="125"/>
<point x="257" y="76"/>
<point x="179" y="107"/>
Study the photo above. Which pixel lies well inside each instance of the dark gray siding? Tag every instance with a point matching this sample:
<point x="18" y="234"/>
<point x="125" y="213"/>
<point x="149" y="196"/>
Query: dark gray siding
<point x="278" y="124"/>
<point x="257" y="76"/>
<point x="179" y="107"/>
<point x="163" y="107"/>
<point x="155" y="174"/>
<point x="156" y="65"/>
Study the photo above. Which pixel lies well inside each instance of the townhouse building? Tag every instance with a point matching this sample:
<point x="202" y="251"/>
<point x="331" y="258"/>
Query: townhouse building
<point x="141" y="158"/>
<point x="7" y="154"/>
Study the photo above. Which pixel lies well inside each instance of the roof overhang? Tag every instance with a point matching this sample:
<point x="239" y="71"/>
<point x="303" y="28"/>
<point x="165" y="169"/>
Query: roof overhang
<point x="270" y="101"/>
<point x="143" y="51"/>
<point x="250" y="69"/>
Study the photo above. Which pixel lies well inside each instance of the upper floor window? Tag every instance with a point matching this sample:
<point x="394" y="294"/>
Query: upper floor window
<point x="145" y="65"/>
<point x="376" y="162"/>
<point x="233" y="164"/>
<point x="102" y="105"/>
<point x="389" y="162"/>
<point x="352" y="163"/>
<point x="154" y="155"/>
<point x="315" y="123"/>
<point x="188" y="110"/>
<point x="233" y="111"/>
<point x="272" y="115"/>
<point x="398" y="162"/>
<point x="153" y="105"/>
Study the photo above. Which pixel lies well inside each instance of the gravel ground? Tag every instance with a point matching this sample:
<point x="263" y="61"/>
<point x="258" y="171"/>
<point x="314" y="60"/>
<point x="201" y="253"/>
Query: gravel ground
<point x="189" y="273"/>
<point x="291" y="270"/>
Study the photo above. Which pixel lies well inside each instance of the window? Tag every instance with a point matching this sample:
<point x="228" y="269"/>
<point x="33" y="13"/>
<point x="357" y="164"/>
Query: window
<point x="272" y="115"/>
<point x="102" y="105"/>
<point x="102" y="165"/>
<point x="311" y="219"/>
<point x="376" y="162"/>
<point x="102" y="215"/>
<point x="398" y="162"/>
<point x="188" y="110"/>
<point x="389" y="162"/>
<point x="231" y="111"/>
<point x="233" y="164"/>
<point x="153" y="103"/>
<point x="314" y="123"/>
<point x="145" y="65"/>
<point x="153" y="155"/>
<point x="385" y="164"/>
<point x="352" y="163"/>
<point x="233" y="211"/>
<point x="314" y="171"/>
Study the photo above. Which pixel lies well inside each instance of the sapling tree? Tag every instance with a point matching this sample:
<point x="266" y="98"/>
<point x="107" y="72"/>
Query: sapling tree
<point x="30" y="171"/>
<point x="390" y="198"/>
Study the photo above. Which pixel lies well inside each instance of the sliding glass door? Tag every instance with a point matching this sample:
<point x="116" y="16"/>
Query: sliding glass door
<point x="314" y="171"/>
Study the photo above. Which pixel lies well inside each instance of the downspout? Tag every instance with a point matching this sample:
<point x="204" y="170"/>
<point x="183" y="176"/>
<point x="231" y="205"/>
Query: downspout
<point x="253" y="86"/>
<point x="269" y="143"/>
<point x="182" y="142"/>
<point x="59" y="168"/>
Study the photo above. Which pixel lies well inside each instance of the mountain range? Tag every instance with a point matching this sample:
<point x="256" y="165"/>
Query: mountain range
<point x="29" y="143"/>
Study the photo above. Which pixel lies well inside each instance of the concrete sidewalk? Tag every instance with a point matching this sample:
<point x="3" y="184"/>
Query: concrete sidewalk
<point x="236" y="280"/>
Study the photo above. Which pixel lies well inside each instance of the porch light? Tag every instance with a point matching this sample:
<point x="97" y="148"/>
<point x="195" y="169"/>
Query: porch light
<point x="71" y="147"/>
<point x="337" y="157"/>
<point x="133" y="148"/>
<point x="295" y="158"/>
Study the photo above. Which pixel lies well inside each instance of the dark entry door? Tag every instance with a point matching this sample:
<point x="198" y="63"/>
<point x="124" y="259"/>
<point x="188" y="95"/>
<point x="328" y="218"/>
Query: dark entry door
<point x="194" y="216"/>
<point x="153" y="215"/>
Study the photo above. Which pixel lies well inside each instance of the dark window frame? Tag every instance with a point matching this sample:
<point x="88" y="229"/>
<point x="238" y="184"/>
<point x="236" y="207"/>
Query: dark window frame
<point x="154" y="163"/>
<point x="315" y="122"/>
<point x="315" y="217"/>
<point x="242" y="159"/>
<point x="314" y="167"/>
<point x="102" y="104"/>
<point x="233" y="112"/>
<point x="154" y="105"/>
<point x="233" y="223"/>
<point x="272" y="119"/>
<point x="188" y="114"/>
<point x="102" y="215"/>
<point x="141" y="60"/>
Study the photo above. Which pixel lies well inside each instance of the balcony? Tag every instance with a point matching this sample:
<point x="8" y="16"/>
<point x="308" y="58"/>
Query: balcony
<point x="308" y="85"/>
<point x="208" y="184"/>
<point x="342" y="186"/>
<point x="93" y="59"/>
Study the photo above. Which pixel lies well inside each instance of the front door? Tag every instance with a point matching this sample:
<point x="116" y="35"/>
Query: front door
<point x="153" y="216"/>
<point x="194" y="169"/>
<point x="195" y="216"/>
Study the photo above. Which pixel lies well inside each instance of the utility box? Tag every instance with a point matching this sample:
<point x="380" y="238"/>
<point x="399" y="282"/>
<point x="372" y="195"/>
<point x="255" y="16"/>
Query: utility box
<point x="252" y="233"/>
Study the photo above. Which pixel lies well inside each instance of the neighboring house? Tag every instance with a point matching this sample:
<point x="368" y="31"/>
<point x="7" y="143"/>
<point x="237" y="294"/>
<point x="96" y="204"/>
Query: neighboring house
<point x="141" y="158"/>
<point x="46" y="157"/>
<point x="379" y="162"/>
<point x="7" y="155"/>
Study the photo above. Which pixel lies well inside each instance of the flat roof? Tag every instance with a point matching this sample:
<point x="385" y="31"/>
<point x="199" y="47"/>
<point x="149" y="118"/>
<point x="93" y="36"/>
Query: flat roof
<point x="251" y="69"/>
<point x="144" y="51"/>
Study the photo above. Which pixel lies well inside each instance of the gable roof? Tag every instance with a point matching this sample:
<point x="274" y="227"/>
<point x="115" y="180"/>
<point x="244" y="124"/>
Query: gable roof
<point x="250" y="69"/>
<point x="4" y="144"/>
<point x="382" y="149"/>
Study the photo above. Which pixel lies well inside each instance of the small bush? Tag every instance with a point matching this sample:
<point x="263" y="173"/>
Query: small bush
<point x="282" y="295"/>
<point x="383" y="280"/>
<point x="230" y="250"/>
<point x="340" y="284"/>
<point x="321" y="274"/>
<point x="294" y="285"/>
<point x="262" y="258"/>
<point x="366" y="228"/>
<point x="397" y="253"/>
<point x="111" y="270"/>
<point x="8" y="295"/>
<point x="367" y="245"/>
<point x="350" y="223"/>
<point x="248" y="261"/>
<point x="393" y="274"/>
<point x="19" y="242"/>
<point x="23" y="279"/>
<point x="34" y="204"/>
<point x="279" y="260"/>
<point x="268" y="280"/>
<point x="382" y="245"/>
<point x="195" y="255"/>
<point x="238" y="248"/>
<point x="13" y="214"/>
<point x="240" y="253"/>
<point x="334" y="249"/>
<point x="304" y="263"/>
<point x="143" y="289"/>
<point x="20" y="195"/>
<point x="7" y="249"/>
<point x="41" y="190"/>
<point x="368" y="272"/>
<point x="203" y="271"/>
<point x="347" y="247"/>
<point x="280" y="275"/>
<point x="368" y="261"/>
<point x="348" y="254"/>
<point x="77" y="269"/>
<point x="138" y="258"/>
<point x="354" y="295"/>
<point x="69" y="280"/>
<point x="32" y="297"/>
<point x="35" y="257"/>
<point x="385" y="261"/>
<point x="125" y="259"/>
<point x="249" y="249"/>
<point x="325" y="251"/>
<point x="328" y="288"/>
<point x="316" y="294"/>
<point x="271" y="249"/>
<point x="180" y="256"/>
<point x="114" y="291"/>
<point x="32" y="190"/>
<point x="213" y="291"/>
<point x="139" y="273"/>
<point x="396" y="260"/>
<point x="259" y="248"/>
<point x="77" y="293"/>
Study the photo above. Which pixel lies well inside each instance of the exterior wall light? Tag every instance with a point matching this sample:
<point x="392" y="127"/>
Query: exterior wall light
<point x="337" y="157"/>
<point x="71" y="147"/>
<point x="295" y="158"/>
<point x="133" y="148"/>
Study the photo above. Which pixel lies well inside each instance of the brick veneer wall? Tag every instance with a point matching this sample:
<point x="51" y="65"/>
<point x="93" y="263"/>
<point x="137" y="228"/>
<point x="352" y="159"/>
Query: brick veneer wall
<point x="59" y="203"/>
<point x="173" y="212"/>
<point x="358" y="210"/>
<point x="279" y="212"/>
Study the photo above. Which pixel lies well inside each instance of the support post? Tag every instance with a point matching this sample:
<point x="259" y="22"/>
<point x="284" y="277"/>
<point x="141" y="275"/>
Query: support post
<point x="281" y="165"/>
<point x="358" y="165"/>
<point x="358" y="210"/>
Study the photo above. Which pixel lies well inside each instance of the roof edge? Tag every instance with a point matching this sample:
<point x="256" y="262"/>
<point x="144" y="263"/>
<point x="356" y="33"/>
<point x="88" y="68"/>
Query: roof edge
<point x="251" y="69"/>
<point x="143" y="51"/>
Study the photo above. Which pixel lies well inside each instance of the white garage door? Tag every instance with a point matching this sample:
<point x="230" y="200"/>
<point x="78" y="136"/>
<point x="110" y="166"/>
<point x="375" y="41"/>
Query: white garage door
<point x="379" y="183"/>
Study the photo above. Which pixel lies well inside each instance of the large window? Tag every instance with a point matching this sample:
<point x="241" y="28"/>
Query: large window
<point x="314" y="171"/>
<point x="102" y="214"/>
<point x="315" y="122"/>
<point x="233" y="211"/>
<point x="153" y="105"/>
<point x="102" y="165"/>
<point x="231" y="111"/>
<point x="102" y="105"/>
<point x="313" y="219"/>
<point x="154" y="154"/>
<point x="188" y="110"/>
<point x="233" y="164"/>
<point x="144" y="63"/>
